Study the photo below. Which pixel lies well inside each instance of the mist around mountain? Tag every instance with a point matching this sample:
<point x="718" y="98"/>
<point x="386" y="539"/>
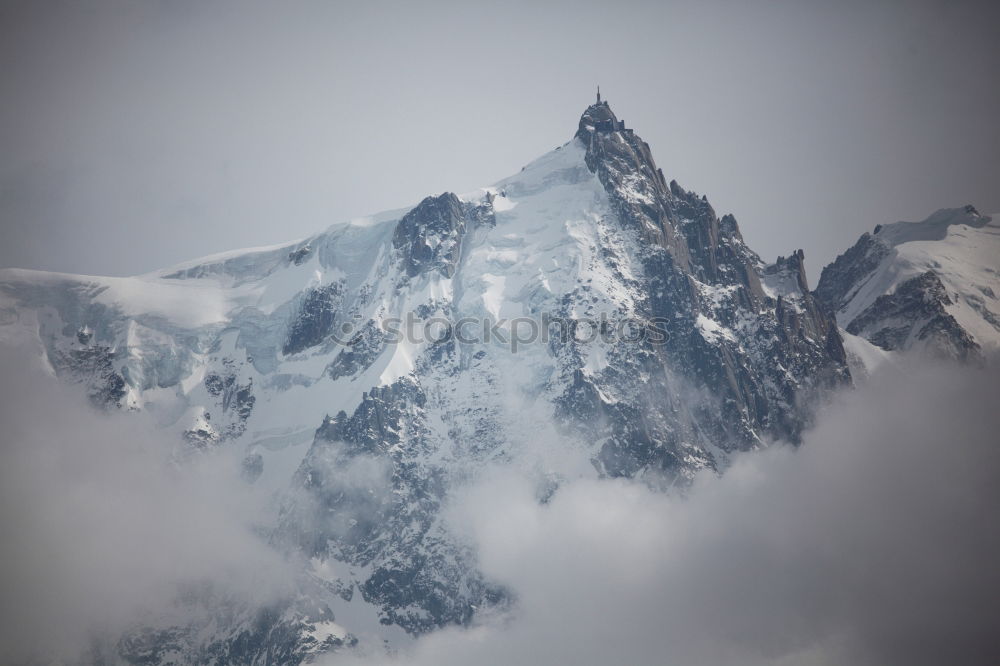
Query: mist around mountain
<point x="569" y="417"/>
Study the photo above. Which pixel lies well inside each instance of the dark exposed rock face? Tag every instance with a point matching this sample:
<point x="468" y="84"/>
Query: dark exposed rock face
<point x="359" y="352"/>
<point x="300" y="255"/>
<point x="624" y="164"/>
<point x="752" y="358"/>
<point x="848" y="271"/>
<point x="315" y="319"/>
<point x="877" y="293"/>
<point x="95" y="366"/>
<point x="430" y="236"/>
<point x="233" y="404"/>
<point x="915" y="311"/>
<point x="366" y="497"/>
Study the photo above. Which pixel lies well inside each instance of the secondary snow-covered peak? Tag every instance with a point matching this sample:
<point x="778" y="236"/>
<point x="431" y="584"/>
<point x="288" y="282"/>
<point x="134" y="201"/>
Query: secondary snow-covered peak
<point x="921" y="284"/>
<point x="934" y="228"/>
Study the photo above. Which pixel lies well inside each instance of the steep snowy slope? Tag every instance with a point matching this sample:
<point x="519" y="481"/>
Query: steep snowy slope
<point x="929" y="284"/>
<point x="583" y="317"/>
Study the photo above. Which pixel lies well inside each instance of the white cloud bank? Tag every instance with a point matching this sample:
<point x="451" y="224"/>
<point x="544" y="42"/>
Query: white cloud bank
<point x="876" y="542"/>
<point x="98" y="529"/>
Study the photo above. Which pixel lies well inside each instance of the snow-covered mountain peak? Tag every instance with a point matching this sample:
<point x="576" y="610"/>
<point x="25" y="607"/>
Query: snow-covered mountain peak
<point x="601" y="321"/>
<point x="930" y="284"/>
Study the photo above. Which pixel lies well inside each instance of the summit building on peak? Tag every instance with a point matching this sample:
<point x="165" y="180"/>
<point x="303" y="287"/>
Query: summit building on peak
<point x="600" y="118"/>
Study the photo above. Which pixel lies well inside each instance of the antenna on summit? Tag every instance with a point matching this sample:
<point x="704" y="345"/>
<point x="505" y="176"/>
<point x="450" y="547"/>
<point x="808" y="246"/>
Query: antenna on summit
<point x="598" y="94"/>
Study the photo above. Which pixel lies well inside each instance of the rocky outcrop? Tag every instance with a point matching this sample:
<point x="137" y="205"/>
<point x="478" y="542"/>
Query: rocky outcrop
<point x="366" y="495"/>
<point x="315" y="319"/>
<point x="849" y="270"/>
<point x="915" y="313"/>
<point x="753" y="358"/>
<point x="430" y="236"/>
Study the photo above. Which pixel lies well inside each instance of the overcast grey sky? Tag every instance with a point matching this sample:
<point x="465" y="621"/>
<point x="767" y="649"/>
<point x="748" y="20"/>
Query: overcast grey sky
<point x="138" y="134"/>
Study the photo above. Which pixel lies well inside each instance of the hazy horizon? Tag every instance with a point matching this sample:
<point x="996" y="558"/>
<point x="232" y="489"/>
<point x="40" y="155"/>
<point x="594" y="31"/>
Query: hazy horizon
<point x="141" y="135"/>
